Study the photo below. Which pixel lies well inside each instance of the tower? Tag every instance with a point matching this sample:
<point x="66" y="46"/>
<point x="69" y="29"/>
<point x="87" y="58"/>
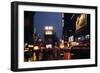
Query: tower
<point x="49" y="36"/>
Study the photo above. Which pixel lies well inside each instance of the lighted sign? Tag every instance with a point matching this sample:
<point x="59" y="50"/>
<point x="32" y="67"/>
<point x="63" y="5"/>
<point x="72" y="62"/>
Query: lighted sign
<point x="74" y="43"/>
<point x="87" y="36"/>
<point x="71" y="38"/>
<point x="81" y="21"/>
<point x="49" y="46"/>
<point x="30" y="46"/>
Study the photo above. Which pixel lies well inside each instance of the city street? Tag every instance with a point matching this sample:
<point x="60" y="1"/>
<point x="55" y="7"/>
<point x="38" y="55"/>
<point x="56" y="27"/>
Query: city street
<point x="45" y="54"/>
<point x="56" y="36"/>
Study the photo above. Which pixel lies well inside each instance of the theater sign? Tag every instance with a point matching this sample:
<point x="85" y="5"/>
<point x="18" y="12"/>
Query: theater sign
<point x="81" y="21"/>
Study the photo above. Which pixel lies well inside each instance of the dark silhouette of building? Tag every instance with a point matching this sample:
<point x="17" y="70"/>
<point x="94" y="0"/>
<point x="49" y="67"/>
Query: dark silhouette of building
<point x="69" y="25"/>
<point x="28" y="34"/>
<point x="28" y="27"/>
<point x="80" y="32"/>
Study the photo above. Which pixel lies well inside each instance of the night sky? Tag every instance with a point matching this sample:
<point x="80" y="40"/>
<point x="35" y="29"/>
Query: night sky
<point x="42" y="19"/>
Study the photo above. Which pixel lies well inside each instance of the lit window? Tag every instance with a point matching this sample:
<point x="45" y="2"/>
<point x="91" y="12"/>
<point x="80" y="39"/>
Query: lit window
<point x="48" y="32"/>
<point x="46" y="28"/>
<point x="50" y="27"/>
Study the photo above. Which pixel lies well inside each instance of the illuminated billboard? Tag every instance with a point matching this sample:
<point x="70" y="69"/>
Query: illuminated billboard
<point x="81" y="21"/>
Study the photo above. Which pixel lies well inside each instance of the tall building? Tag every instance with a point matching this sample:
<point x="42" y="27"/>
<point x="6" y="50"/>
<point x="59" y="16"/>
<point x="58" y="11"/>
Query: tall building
<point x="28" y="35"/>
<point x="69" y="26"/>
<point x="49" y="36"/>
<point x="28" y="27"/>
<point x="82" y="36"/>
